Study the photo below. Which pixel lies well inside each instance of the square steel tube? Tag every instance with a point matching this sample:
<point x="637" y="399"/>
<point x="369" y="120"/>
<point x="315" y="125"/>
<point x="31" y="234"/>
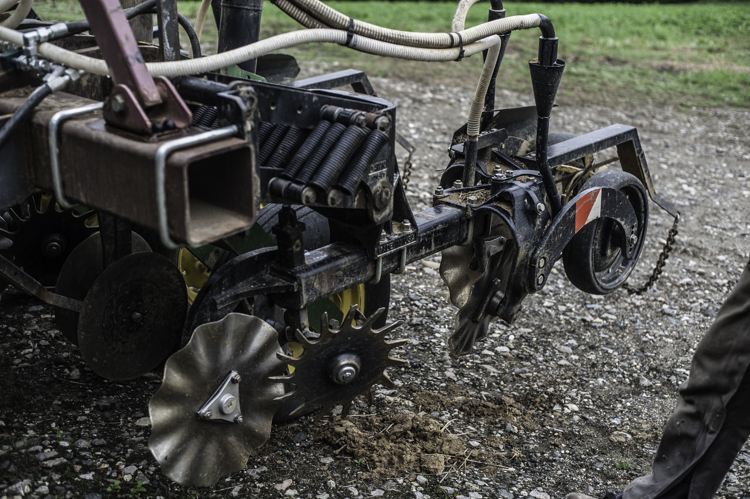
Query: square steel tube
<point x="211" y="189"/>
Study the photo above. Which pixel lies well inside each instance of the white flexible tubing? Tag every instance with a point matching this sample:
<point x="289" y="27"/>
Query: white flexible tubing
<point x="299" y="15"/>
<point x="7" y="4"/>
<point x="477" y="105"/>
<point x="338" y="20"/>
<point x="253" y="51"/>
<point x="200" y="19"/>
<point x="459" y="17"/>
<point x="18" y="15"/>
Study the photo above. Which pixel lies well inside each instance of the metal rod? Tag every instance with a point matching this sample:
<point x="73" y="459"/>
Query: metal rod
<point x="161" y="164"/>
<point x="54" y="155"/>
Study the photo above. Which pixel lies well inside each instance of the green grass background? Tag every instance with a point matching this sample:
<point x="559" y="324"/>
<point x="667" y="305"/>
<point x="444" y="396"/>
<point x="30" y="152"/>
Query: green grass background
<point x="695" y="54"/>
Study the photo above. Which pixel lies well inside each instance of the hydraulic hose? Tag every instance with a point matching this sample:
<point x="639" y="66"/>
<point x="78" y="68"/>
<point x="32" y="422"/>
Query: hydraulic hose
<point x="255" y="50"/>
<point x="76" y="27"/>
<point x="18" y="15"/>
<point x="23" y="112"/>
<point x="195" y="43"/>
<point x="338" y="20"/>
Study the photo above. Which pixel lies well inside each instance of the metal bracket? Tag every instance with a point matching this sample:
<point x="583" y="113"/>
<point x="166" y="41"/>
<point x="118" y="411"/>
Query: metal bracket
<point x="162" y="153"/>
<point x="124" y="110"/>
<point x="224" y="404"/>
<point x="54" y="154"/>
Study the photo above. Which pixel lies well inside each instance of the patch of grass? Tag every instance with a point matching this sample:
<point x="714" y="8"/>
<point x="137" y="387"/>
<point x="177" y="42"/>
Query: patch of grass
<point x="622" y="465"/>
<point x="687" y="54"/>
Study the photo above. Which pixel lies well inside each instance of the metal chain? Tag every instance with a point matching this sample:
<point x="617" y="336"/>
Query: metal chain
<point x="668" y="246"/>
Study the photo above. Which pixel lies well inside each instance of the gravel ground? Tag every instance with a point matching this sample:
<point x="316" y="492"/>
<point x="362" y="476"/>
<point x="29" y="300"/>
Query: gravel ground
<point x="573" y="396"/>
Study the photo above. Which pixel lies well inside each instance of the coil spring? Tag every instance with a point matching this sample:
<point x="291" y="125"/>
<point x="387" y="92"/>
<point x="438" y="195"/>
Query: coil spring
<point x="264" y="131"/>
<point x="305" y="150"/>
<point x="357" y="167"/>
<point x="316" y="158"/>
<point x="207" y="118"/>
<point x="198" y="114"/>
<point x="291" y="141"/>
<point x="338" y="157"/>
<point x="270" y="144"/>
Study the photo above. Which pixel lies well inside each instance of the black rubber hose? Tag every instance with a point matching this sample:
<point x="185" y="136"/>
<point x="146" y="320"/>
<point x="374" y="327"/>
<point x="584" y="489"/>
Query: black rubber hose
<point x="288" y="145"/>
<point x="305" y="150"/>
<point x="76" y="27"/>
<point x="269" y="146"/>
<point x="357" y="167"/>
<point x="23" y="112"/>
<point x="195" y="43"/>
<point x="319" y="154"/>
<point x="339" y="157"/>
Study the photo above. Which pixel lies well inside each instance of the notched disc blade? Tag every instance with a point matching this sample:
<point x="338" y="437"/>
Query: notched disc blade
<point x="132" y="316"/>
<point x="78" y="273"/>
<point x="197" y="452"/>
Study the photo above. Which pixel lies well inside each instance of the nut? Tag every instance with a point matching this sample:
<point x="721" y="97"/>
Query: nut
<point x="458" y="184"/>
<point x="439" y="190"/>
<point x="540" y="208"/>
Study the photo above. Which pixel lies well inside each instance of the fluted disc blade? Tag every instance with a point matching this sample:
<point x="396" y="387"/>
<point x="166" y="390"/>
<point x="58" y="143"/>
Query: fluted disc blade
<point x="197" y="452"/>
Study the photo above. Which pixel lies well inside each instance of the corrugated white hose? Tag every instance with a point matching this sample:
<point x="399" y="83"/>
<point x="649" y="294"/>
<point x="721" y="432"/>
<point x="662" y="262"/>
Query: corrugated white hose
<point x="299" y="15"/>
<point x="338" y="20"/>
<point x="477" y="105"/>
<point x="253" y="51"/>
<point x="459" y="17"/>
<point x="7" y="4"/>
<point x="18" y="15"/>
<point x="200" y="19"/>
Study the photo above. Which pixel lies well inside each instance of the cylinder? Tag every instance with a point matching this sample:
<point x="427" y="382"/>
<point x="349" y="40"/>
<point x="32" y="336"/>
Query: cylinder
<point x="239" y="26"/>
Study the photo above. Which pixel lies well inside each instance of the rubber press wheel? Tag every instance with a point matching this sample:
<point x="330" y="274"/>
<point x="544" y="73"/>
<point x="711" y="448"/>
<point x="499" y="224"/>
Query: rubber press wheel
<point x="593" y="259"/>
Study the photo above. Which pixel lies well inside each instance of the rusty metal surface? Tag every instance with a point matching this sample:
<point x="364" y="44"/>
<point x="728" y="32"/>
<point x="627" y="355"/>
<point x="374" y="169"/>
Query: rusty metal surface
<point x="207" y="186"/>
<point x="120" y="49"/>
<point x="197" y="452"/>
<point x="132" y="316"/>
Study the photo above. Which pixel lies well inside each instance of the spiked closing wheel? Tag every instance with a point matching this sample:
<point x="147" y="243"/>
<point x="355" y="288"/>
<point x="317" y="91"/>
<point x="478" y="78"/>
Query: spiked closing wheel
<point x="198" y="449"/>
<point x="341" y="364"/>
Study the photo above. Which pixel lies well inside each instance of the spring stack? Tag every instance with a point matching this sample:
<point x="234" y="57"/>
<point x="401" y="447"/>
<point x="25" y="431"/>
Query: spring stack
<point x="330" y="162"/>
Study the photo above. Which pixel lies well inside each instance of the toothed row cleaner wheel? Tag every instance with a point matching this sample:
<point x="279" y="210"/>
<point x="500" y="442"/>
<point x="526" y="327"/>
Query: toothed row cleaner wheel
<point x="341" y="363"/>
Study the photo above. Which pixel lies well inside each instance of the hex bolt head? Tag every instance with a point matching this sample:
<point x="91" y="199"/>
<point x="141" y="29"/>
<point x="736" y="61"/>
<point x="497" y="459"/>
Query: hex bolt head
<point x="542" y="262"/>
<point x="498" y="170"/>
<point x="439" y="190"/>
<point x="207" y="415"/>
<point x="472" y="200"/>
<point x="633" y="238"/>
<point x="406" y="226"/>
<point x="383" y="237"/>
<point x="136" y="317"/>
<point x="540" y="279"/>
<point x="236" y="378"/>
<point x="540" y="208"/>
<point x="238" y="418"/>
<point x="117" y="102"/>
<point x="458" y="184"/>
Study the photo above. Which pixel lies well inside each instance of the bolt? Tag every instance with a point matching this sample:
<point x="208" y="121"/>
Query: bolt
<point x="334" y="324"/>
<point x="308" y="196"/>
<point x="540" y="208"/>
<point x="236" y="378"/>
<point x="136" y="317"/>
<point x="472" y="200"/>
<point x="383" y="123"/>
<point x="542" y="262"/>
<point x="458" y="184"/>
<point x="540" y="279"/>
<point x="406" y="226"/>
<point x="439" y="190"/>
<point x="498" y="170"/>
<point x="228" y="404"/>
<point x="206" y="415"/>
<point x="383" y="237"/>
<point x="633" y="238"/>
<point x="52" y="249"/>
<point x="238" y="418"/>
<point x="117" y="103"/>
<point x="335" y="197"/>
